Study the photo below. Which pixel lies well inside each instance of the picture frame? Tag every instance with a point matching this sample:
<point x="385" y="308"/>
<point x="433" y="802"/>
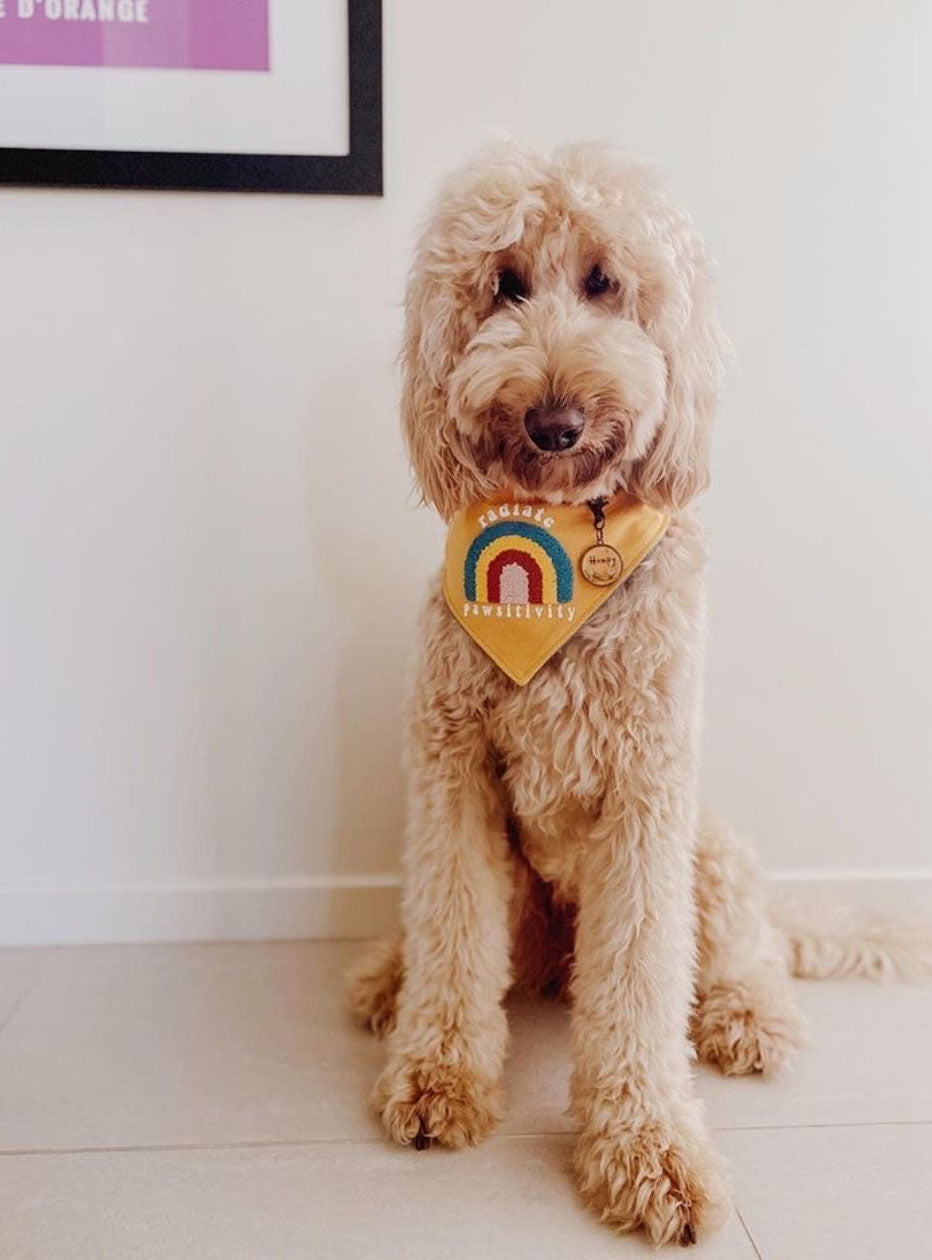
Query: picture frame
<point x="357" y="172"/>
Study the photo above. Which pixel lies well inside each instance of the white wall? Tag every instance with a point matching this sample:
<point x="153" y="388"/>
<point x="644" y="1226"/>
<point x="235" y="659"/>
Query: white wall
<point x="209" y="556"/>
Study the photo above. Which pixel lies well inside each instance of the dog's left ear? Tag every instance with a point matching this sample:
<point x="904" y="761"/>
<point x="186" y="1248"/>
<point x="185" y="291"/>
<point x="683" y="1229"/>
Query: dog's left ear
<point x="685" y="325"/>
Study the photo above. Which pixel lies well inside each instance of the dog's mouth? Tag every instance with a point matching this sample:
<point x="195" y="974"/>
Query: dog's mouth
<point x="584" y="458"/>
<point x="570" y="470"/>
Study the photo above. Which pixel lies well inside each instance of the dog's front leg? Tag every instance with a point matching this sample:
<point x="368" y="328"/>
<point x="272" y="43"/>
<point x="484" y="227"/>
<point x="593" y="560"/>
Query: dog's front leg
<point x="643" y="1157"/>
<point x="447" y="1049"/>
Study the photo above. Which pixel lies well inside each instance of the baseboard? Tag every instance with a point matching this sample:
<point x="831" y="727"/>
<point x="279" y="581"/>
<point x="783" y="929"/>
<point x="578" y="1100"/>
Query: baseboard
<point x="886" y="889"/>
<point x="330" y="906"/>
<point x="215" y="910"/>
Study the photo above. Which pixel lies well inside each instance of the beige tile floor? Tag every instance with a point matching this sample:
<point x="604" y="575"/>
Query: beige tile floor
<point x="192" y="1102"/>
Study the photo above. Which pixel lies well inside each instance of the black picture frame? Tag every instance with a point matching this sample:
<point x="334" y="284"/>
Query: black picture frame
<point x="358" y="173"/>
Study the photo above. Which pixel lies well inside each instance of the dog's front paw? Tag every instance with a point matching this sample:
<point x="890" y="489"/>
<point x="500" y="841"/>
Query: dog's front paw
<point x="744" y="1028"/>
<point x="646" y="1178"/>
<point x="423" y="1102"/>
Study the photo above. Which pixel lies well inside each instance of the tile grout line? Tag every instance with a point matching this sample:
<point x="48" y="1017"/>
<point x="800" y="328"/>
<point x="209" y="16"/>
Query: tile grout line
<point x="183" y="1147"/>
<point x="750" y="1236"/>
<point x="24" y="996"/>
<point x="818" y="1124"/>
<point x="380" y="1141"/>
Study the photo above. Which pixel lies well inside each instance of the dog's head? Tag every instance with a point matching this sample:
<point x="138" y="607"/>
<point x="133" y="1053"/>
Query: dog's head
<point x="560" y="338"/>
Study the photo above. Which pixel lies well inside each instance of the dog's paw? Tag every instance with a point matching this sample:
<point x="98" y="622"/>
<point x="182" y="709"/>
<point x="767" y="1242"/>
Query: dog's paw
<point x="372" y="984"/>
<point x="647" y="1179"/>
<point x="422" y="1102"/>
<point x="744" y="1028"/>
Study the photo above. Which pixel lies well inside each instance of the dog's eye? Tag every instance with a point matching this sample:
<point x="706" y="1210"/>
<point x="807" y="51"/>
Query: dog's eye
<point x="509" y="287"/>
<point x="597" y="283"/>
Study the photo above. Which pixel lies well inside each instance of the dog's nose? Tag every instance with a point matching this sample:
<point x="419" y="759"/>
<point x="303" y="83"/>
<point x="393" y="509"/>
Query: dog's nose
<point x="554" y="429"/>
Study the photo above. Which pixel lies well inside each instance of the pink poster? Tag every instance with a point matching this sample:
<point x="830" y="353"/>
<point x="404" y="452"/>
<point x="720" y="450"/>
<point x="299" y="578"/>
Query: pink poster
<point x="171" y="34"/>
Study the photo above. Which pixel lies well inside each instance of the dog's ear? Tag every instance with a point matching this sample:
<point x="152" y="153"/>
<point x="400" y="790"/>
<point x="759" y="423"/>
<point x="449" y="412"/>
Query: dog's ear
<point x="685" y="325"/>
<point x="479" y="212"/>
<point x="435" y="332"/>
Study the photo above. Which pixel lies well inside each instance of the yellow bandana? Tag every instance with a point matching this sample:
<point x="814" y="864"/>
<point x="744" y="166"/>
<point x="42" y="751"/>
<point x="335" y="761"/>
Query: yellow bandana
<point x="521" y="578"/>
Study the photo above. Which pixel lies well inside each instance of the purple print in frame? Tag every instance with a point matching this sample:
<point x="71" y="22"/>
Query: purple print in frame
<point x="164" y="34"/>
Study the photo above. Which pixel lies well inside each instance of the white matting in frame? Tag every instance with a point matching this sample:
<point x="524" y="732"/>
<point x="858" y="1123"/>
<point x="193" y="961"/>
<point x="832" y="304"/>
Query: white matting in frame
<point x="299" y="106"/>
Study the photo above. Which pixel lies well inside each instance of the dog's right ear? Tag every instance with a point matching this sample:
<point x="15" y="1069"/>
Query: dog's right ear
<point x="479" y="212"/>
<point x="435" y="332"/>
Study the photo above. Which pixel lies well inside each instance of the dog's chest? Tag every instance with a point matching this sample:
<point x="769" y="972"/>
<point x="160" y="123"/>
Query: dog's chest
<point x="578" y="725"/>
<point x="553" y="738"/>
<point x="553" y="763"/>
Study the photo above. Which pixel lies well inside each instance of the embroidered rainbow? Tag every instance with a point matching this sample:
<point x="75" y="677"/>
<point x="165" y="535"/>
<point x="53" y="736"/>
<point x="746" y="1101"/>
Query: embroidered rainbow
<point x="515" y="562"/>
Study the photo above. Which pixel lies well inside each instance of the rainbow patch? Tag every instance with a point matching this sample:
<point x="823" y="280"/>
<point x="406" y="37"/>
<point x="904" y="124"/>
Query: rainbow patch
<point x="516" y="562"/>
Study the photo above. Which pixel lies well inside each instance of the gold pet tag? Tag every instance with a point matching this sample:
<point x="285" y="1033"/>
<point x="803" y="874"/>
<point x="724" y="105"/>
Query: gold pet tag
<point x="601" y="565"/>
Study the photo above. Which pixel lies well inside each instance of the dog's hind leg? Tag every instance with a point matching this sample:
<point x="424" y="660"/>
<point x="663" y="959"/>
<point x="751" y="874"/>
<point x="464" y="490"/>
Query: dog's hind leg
<point x="745" y="1018"/>
<point x="372" y="984"/>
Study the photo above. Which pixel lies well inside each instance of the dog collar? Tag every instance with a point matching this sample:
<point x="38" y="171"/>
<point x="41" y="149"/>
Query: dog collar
<point x="521" y="578"/>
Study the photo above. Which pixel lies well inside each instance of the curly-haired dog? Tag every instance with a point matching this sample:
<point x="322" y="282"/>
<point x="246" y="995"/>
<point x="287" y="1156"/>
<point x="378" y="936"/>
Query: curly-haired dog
<point x="561" y="346"/>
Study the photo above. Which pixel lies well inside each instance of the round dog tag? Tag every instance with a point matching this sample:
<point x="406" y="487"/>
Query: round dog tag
<point x="601" y="565"/>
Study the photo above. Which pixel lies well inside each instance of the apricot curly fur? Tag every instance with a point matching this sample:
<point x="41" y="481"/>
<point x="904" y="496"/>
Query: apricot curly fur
<point x="553" y="835"/>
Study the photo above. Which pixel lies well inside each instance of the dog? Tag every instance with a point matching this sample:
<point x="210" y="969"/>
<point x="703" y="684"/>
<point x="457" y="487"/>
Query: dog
<point x="562" y="348"/>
